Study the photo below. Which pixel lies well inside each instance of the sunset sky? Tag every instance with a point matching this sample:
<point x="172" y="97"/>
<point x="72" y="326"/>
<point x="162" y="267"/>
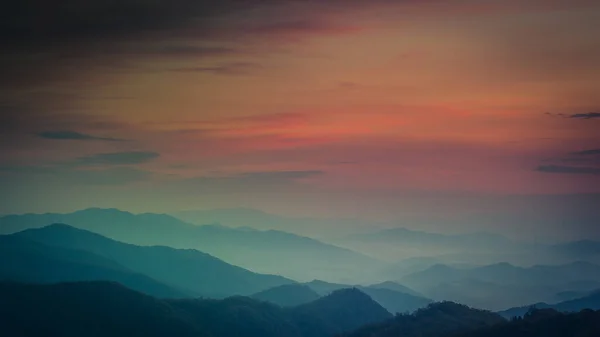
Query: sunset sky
<point x="449" y="115"/>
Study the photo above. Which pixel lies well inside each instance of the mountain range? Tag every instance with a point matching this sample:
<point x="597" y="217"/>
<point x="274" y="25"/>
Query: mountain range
<point x="61" y="253"/>
<point x="437" y="319"/>
<point x="31" y="262"/>
<point x="268" y="252"/>
<point x="404" y="236"/>
<point x="386" y="241"/>
<point x="503" y="285"/>
<point x="301" y="259"/>
<point x="590" y="301"/>
<point x="193" y="272"/>
<point x="287" y="295"/>
<point x="582" y="249"/>
<point x="394" y="297"/>
<point x="109" y="309"/>
<point x="543" y="323"/>
<point x="506" y="273"/>
<point x="258" y="219"/>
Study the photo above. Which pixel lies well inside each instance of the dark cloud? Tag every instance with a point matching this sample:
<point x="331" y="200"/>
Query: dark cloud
<point x="587" y="152"/>
<point x="118" y="158"/>
<point x="559" y="114"/>
<point x="238" y="68"/>
<point x="22" y="127"/>
<point x="302" y="26"/>
<point x="191" y="50"/>
<point x="22" y="117"/>
<point x="588" y="115"/>
<point x="585" y="161"/>
<point x="184" y="50"/>
<point x="568" y="169"/>
<point x="41" y="20"/>
<point x="582" y="160"/>
<point x="45" y="40"/>
<point x="261" y="177"/>
<point x="73" y="135"/>
<point x="271" y="176"/>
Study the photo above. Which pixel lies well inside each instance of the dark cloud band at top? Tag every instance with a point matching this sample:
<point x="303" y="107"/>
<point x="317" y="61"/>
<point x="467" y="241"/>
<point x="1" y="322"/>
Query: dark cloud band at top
<point x="41" y="20"/>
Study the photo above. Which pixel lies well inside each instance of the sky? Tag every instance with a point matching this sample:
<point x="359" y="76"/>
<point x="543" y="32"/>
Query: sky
<point x="443" y="115"/>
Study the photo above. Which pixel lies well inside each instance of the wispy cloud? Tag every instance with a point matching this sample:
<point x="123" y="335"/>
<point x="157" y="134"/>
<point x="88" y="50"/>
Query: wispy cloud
<point x="587" y="152"/>
<point x="188" y="50"/>
<point x="237" y="68"/>
<point x="272" y="176"/>
<point x="117" y="158"/>
<point x="588" y="115"/>
<point x="246" y="181"/>
<point x="252" y="125"/>
<point x="74" y="135"/>
<point x="568" y="169"/>
<point x="301" y="26"/>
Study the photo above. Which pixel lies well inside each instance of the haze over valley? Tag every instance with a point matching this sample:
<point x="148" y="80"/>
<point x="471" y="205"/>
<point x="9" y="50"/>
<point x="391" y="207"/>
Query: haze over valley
<point x="218" y="261"/>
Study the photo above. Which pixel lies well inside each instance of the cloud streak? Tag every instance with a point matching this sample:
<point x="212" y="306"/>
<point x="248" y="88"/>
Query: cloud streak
<point x="273" y="176"/>
<point x="587" y="152"/>
<point x="238" y="68"/>
<point x="588" y="115"/>
<point x="74" y="135"/>
<point x="303" y="27"/>
<point x="118" y="158"/>
<point x="254" y="182"/>
<point x="568" y="169"/>
<point x="188" y="50"/>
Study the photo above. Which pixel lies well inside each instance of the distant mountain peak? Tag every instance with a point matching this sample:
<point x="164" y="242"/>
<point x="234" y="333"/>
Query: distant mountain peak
<point x="441" y="266"/>
<point x="347" y="309"/>
<point x="247" y="229"/>
<point x="104" y="210"/>
<point x="500" y="265"/>
<point x="347" y="296"/>
<point x="395" y="286"/>
<point x="59" y="225"/>
<point x="216" y="226"/>
<point x="388" y="284"/>
<point x="288" y="295"/>
<point x="241" y="210"/>
<point x="353" y="291"/>
<point x="60" y="228"/>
